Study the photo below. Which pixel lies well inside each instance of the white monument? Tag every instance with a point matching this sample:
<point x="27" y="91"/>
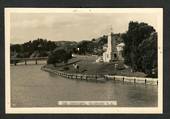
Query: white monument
<point x="111" y="53"/>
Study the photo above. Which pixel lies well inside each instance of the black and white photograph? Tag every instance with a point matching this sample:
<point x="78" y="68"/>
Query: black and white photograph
<point x="84" y="60"/>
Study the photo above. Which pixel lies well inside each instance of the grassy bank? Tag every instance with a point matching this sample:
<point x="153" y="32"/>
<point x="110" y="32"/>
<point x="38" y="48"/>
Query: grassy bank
<point x="88" y="66"/>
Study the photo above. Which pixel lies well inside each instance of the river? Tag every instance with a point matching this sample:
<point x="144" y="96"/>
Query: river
<point x="32" y="87"/>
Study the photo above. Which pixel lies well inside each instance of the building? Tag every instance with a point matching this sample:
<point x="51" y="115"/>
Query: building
<point x="119" y="48"/>
<point x="114" y="50"/>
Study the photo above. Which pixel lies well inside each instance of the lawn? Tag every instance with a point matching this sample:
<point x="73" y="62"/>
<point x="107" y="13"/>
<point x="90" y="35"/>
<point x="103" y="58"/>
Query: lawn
<point x="88" y="65"/>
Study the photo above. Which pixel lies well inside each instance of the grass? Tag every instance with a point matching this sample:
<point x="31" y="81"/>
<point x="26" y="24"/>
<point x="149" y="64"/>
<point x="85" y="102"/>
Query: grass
<point x="88" y="66"/>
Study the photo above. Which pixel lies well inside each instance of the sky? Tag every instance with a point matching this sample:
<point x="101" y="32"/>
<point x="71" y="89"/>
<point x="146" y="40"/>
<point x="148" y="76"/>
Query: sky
<point x="71" y="26"/>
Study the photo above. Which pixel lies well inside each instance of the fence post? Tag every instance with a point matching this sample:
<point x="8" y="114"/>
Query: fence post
<point x="134" y="80"/>
<point x="15" y="63"/>
<point x="35" y="61"/>
<point x="25" y="62"/>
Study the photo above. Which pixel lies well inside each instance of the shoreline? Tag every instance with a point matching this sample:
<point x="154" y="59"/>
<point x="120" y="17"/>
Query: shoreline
<point x="102" y="78"/>
<point x="96" y="78"/>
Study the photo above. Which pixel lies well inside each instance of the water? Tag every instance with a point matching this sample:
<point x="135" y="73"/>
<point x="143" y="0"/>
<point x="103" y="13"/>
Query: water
<point x="32" y="87"/>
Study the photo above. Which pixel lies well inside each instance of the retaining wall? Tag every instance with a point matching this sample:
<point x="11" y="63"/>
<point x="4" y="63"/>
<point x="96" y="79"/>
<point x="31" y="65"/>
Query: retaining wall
<point x="104" y="78"/>
<point x="133" y="79"/>
<point x="97" y="78"/>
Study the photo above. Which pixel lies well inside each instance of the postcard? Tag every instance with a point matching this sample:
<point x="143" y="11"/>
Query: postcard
<point x="84" y="60"/>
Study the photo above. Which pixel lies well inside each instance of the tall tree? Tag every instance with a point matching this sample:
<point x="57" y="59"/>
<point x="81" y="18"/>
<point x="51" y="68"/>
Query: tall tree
<point x="136" y="39"/>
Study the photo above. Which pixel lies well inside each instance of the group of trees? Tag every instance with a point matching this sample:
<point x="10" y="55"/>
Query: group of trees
<point x="41" y="46"/>
<point x="95" y="46"/>
<point x="140" y="51"/>
<point x="59" y="51"/>
<point x="85" y="47"/>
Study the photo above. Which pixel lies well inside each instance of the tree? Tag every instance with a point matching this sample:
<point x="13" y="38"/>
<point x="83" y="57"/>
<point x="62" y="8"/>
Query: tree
<point x="148" y="55"/>
<point x="101" y="41"/>
<point x="86" y="47"/>
<point x="15" y="48"/>
<point x="140" y="47"/>
<point x="59" y="55"/>
<point x="93" y="39"/>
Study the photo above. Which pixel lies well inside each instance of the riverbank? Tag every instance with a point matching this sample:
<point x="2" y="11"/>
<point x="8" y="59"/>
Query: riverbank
<point x="94" y="78"/>
<point x="92" y="71"/>
<point x="102" y="78"/>
<point x="89" y="66"/>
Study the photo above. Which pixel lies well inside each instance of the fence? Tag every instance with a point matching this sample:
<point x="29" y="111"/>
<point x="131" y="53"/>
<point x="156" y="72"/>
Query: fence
<point x="97" y="78"/>
<point x="103" y="78"/>
<point x="133" y="79"/>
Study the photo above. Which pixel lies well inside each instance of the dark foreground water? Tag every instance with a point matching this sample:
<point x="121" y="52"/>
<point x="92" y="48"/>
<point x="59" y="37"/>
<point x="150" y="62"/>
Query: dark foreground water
<point x="32" y="87"/>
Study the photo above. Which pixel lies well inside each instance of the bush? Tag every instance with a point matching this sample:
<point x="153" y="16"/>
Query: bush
<point x="59" y="55"/>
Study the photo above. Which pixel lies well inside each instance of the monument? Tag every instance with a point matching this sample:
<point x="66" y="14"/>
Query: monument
<point x="110" y="54"/>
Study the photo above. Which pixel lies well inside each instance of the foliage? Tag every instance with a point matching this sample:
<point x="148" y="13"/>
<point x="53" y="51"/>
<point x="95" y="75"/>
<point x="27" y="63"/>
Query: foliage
<point x="41" y="47"/>
<point x="59" y="55"/>
<point x="140" y="49"/>
<point x="95" y="46"/>
<point x="148" y="54"/>
<point x="38" y="48"/>
<point x="86" y="47"/>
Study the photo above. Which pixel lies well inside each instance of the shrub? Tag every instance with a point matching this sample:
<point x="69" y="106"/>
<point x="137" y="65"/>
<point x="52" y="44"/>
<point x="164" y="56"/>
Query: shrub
<point x="59" y="55"/>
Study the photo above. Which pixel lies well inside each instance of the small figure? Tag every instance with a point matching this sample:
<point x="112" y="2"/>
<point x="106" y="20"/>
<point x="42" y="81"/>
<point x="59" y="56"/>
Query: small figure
<point x="76" y="66"/>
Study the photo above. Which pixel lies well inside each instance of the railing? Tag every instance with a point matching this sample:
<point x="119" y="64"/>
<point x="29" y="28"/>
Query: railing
<point x="16" y="60"/>
<point x="133" y="79"/>
<point x="103" y="78"/>
<point x="96" y="77"/>
<point x="34" y="58"/>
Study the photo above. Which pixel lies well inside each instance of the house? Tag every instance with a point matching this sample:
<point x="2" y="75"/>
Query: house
<point x="119" y="48"/>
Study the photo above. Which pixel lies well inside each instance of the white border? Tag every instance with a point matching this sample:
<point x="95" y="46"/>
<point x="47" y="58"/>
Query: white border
<point x="83" y="110"/>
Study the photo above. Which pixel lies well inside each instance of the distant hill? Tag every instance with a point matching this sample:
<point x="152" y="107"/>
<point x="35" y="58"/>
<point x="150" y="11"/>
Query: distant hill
<point x="42" y="47"/>
<point x="38" y="48"/>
